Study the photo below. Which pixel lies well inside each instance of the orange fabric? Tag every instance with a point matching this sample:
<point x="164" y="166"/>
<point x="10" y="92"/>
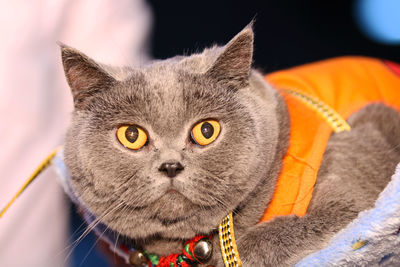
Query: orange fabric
<point x="346" y="84"/>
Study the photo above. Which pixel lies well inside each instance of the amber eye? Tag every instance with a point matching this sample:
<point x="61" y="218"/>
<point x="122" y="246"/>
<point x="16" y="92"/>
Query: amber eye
<point x="131" y="136"/>
<point x="205" y="132"/>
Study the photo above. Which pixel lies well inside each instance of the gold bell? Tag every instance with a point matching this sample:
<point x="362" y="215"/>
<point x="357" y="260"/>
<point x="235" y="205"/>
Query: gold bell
<point x="203" y="250"/>
<point x="137" y="259"/>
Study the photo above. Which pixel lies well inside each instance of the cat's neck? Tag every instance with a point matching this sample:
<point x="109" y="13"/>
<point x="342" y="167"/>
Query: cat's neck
<point x="250" y="211"/>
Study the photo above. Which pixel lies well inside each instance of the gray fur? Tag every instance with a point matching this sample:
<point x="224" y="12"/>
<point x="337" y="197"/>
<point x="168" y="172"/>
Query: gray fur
<point x="236" y="172"/>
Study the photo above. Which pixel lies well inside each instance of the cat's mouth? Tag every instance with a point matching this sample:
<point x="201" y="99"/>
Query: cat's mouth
<point x="173" y="206"/>
<point x="172" y="190"/>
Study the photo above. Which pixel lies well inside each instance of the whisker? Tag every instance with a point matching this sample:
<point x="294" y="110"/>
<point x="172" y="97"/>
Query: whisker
<point x="93" y="246"/>
<point x="89" y="228"/>
<point x="115" y="245"/>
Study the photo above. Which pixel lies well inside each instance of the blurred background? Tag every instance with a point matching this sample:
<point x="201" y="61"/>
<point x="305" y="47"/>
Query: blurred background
<point x="35" y="103"/>
<point x="287" y="32"/>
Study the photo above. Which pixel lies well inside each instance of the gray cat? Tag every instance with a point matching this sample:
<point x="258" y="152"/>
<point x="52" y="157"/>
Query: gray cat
<point x="171" y="188"/>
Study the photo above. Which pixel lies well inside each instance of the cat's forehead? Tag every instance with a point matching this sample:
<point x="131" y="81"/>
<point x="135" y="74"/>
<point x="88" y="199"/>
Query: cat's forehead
<point x="194" y="63"/>
<point x="163" y="80"/>
<point x="174" y="80"/>
<point x="158" y="97"/>
<point x="169" y="94"/>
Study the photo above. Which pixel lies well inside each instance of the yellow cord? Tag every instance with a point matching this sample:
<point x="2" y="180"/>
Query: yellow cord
<point x="38" y="170"/>
<point x="333" y="118"/>
<point x="229" y="251"/>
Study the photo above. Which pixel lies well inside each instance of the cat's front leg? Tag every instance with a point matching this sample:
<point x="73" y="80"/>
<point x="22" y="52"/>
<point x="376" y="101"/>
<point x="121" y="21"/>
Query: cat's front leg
<point x="282" y="241"/>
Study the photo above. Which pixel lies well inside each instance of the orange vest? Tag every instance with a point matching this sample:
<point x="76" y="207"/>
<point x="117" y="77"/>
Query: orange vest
<point x="346" y="85"/>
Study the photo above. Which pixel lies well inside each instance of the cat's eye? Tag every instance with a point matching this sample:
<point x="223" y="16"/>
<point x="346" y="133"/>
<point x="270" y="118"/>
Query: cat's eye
<point x="131" y="136"/>
<point x="205" y="132"/>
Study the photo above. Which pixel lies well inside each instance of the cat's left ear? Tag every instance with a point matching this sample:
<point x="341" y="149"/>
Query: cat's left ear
<point x="232" y="66"/>
<point x="85" y="77"/>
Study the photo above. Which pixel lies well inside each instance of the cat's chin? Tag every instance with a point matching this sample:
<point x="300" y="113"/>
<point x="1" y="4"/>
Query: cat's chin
<point x="173" y="207"/>
<point x="171" y="216"/>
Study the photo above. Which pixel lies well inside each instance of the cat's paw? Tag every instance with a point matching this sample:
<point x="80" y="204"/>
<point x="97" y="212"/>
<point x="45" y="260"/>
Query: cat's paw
<point x="262" y="245"/>
<point x="252" y="250"/>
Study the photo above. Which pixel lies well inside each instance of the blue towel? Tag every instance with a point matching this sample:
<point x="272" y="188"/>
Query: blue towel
<point x="377" y="229"/>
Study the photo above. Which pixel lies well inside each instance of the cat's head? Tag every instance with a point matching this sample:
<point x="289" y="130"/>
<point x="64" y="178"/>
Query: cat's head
<point x="170" y="148"/>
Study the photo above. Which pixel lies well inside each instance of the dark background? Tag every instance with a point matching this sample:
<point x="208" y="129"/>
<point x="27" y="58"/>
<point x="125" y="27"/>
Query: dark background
<point x="287" y="32"/>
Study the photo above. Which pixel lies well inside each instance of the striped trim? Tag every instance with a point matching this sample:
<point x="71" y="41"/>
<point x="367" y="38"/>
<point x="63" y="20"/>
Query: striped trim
<point x="229" y="250"/>
<point x="333" y="118"/>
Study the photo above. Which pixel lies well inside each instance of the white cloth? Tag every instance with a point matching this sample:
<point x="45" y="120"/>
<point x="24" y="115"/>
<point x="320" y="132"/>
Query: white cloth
<point x="35" y="103"/>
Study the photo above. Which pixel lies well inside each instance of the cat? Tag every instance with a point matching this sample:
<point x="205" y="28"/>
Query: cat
<point x="171" y="188"/>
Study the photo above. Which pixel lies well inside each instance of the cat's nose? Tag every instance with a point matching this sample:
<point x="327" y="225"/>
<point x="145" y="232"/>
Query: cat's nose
<point x="171" y="169"/>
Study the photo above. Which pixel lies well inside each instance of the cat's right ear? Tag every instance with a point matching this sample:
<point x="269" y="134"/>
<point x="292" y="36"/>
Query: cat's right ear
<point x="232" y="66"/>
<point x="85" y="77"/>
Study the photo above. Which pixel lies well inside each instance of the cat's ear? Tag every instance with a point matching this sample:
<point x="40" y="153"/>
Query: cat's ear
<point x="232" y="66"/>
<point x="85" y="77"/>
